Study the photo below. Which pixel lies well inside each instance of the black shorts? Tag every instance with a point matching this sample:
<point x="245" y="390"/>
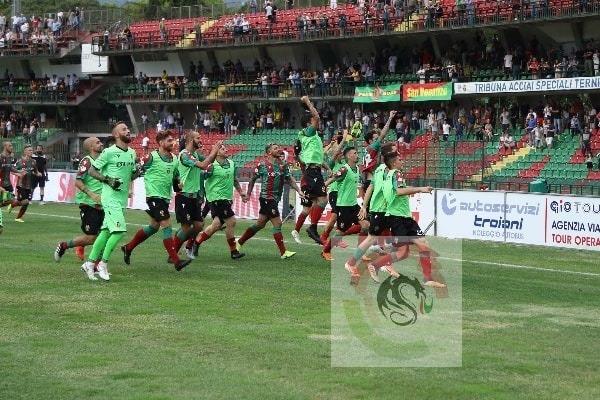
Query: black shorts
<point x="268" y="208"/>
<point x="313" y="180"/>
<point x="188" y="209"/>
<point x="378" y="223"/>
<point x="347" y="216"/>
<point x="9" y="188"/>
<point x="158" y="208"/>
<point x="39" y="181"/>
<point x="305" y="202"/>
<point x="404" y="226"/>
<point x="91" y="219"/>
<point x="24" y="194"/>
<point x="333" y="201"/>
<point x="221" y="209"/>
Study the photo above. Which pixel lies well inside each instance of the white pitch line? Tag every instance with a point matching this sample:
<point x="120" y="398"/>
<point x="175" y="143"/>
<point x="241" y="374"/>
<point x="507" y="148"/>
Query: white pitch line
<point x="496" y="264"/>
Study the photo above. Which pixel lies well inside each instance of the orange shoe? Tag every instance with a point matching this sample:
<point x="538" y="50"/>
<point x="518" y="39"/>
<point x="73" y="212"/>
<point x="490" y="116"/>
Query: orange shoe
<point x="327" y="256"/>
<point x="353" y="269"/>
<point x="434" y="284"/>
<point x="390" y="270"/>
<point x="366" y="258"/>
<point x="80" y="252"/>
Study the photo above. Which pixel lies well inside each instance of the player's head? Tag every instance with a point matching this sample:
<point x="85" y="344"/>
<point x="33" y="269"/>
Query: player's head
<point x="393" y="161"/>
<point x="308" y="120"/>
<point x="93" y="145"/>
<point x="165" y="140"/>
<point x="28" y="151"/>
<point x="371" y="136"/>
<point x="273" y="150"/>
<point x="39" y="149"/>
<point x="350" y="154"/>
<point x="121" y="132"/>
<point x="222" y="151"/>
<point x="389" y="148"/>
<point x="193" y="137"/>
<point x="7" y="147"/>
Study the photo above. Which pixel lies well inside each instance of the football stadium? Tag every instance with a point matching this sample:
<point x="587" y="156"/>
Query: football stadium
<point x="403" y="196"/>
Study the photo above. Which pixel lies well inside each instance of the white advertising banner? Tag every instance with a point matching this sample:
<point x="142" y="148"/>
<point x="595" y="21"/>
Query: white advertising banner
<point x="572" y="222"/>
<point x="93" y="64"/>
<point x="61" y="189"/>
<point x="522" y="86"/>
<point x="489" y="216"/>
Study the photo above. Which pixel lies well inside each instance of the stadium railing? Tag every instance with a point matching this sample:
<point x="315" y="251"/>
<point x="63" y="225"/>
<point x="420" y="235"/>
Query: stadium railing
<point x="455" y="16"/>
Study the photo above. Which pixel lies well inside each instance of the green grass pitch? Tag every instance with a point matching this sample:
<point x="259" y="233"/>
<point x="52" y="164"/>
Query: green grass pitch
<point x="258" y="328"/>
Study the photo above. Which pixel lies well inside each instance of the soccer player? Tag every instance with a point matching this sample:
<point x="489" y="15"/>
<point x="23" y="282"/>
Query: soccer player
<point x="371" y="159"/>
<point x="7" y="167"/>
<point x="400" y="221"/>
<point x="160" y="171"/>
<point x="312" y="156"/>
<point x="27" y="177"/>
<point x="41" y="164"/>
<point x="189" y="200"/>
<point x="273" y="173"/>
<point x="374" y="206"/>
<point x="115" y="168"/>
<point x="334" y="157"/>
<point x="220" y="179"/>
<point x="88" y="198"/>
<point x="348" y="178"/>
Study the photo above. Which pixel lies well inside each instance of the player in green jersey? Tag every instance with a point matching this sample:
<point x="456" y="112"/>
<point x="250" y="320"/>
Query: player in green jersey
<point x="28" y="174"/>
<point x="399" y="218"/>
<point x="373" y="141"/>
<point x="220" y="180"/>
<point x="190" y="196"/>
<point x="160" y="171"/>
<point x="348" y="179"/>
<point x="312" y="158"/>
<point x="116" y="169"/>
<point x="334" y="158"/>
<point x="88" y="198"/>
<point x="273" y="173"/>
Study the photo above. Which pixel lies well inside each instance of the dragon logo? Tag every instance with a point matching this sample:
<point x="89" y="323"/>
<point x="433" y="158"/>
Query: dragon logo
<point x="402" y="299"/>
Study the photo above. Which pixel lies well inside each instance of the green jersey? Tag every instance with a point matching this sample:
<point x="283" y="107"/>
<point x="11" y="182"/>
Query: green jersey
<point x="115" y="162"/>
<point x="93" y="185"/>
<point x="335" y="167"/>
<point x="191" y="177"/>
<point x="377" y="202"/>
<point x="348" y="179"/>
<point x="159" y="172"/>
<point x="397" y="206"/>
<point x="272" y="177"/>
<point x="219" y="181"/>
<point x="311" y="151"/>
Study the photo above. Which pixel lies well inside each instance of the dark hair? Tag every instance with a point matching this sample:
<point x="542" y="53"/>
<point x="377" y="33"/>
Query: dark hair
<point x="306" y="119"/>
<point x="348" y="150"/>
<point x="387" y="148"/>
<point x="389" y="157"/>
<point x="369" y="136"/>
<point x="162" y="135"/>
<point x="268" y="147"/>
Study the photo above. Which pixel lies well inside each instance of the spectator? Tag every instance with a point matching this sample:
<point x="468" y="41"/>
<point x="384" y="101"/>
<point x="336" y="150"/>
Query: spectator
<point x="146" y="142"/>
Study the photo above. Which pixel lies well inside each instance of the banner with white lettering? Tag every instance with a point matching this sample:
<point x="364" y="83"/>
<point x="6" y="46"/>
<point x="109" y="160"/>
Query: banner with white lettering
<point x="523" y="86"/>
<point x="572" y="222"/>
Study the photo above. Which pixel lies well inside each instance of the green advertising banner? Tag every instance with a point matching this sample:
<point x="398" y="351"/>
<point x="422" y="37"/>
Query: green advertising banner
<point x="426" y="91"/>
<point x="377" y="94"/>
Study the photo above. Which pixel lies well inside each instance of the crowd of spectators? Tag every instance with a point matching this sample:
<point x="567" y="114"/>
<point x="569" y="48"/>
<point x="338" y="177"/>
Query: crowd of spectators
<point x="54" y="88"/>
<point x="38" y="34"/>
<point x="17" y="123"/>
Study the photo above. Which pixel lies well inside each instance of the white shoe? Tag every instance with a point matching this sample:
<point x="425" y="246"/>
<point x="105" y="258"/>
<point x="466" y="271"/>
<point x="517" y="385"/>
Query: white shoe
<point x="296" y="236"/>
<point x="42" y="203"/>
<point x="377" y="250"/>
<point x="103" y="271"/>
<point x="190" y="254"/>
<point x="88" y="268"/>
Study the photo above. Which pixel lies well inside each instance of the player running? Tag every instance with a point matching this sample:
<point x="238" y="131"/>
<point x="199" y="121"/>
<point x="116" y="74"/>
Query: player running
<point x="311" y="156"/>
<point x="88" y="198"/>
<point x="273" y="173"/>
<point x="190" y="197"/>
<point x="348" y="178"/>
<point x="116" y="169"/>
<point x="400" y="221"/>
<point x="373" y="142"/>
<point x="220" y="179"/>
<point x="334" y="156"/>
<point x="160" y="170"/>
<point x="7" y="167"/>
<point x="28" y="174"/>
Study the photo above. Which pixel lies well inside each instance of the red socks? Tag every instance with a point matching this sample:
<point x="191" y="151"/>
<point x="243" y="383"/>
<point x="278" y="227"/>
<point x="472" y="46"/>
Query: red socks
<point x="247" y="235"/>
<point x="326" y="232"/>
<point x="168" y="243"/>
<point x="279" y="241"/>
<point x="231" y="243"/>
<point x="300" y="221"/>
<point x="202" y="238"/>
<point x="138" y="238"/>
<point x="315" y="214"/>
<point x="353" y="230"/>
<point x="425" y="261"/>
